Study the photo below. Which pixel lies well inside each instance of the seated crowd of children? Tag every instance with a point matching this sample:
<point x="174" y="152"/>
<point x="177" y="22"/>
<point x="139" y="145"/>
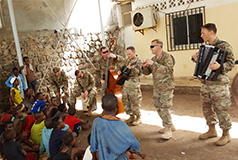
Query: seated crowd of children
<point x="36" y="126"/>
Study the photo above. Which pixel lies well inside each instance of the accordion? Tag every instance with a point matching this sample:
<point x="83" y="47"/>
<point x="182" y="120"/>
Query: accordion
<point x="208" y="54"/>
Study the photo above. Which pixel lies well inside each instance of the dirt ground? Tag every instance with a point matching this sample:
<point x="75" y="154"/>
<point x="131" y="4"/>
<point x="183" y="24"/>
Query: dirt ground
<point x="185" y="145"/>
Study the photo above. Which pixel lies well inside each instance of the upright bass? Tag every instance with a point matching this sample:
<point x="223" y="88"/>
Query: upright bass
<point x="112" y="77"/>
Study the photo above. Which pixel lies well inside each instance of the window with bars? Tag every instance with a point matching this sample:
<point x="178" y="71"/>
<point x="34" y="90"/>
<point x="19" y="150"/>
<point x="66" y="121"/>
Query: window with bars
<point x="183" y="29"/>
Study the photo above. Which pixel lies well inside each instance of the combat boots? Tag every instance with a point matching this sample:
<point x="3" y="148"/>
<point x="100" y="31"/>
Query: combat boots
<point x="172" y="129"/>
<point x="130" y="120"/>
<point x="167" y="133"/>
<point x="210" y="133"/>
<point x="226" y="138"/>
<point x="137" y="121"/>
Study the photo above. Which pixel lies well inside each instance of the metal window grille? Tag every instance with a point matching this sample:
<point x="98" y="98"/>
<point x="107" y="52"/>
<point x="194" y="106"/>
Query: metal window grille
<point x="183" y="29"/>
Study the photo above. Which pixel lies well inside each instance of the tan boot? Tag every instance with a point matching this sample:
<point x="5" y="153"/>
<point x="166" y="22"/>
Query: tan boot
<point x="226" y="138"/>
<point x="131" y="119"/>
<point x="167" y="133"/>
<point x="210" y="133"/>
<point x="137" y="121"/>
<point x="172" y="129"/>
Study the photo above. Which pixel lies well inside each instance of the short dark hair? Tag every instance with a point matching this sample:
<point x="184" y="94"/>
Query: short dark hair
<point x="7" y="135"/>
<point x="7" y="123"/>
<point x="158" y="42"/>
<point x="103" y="47"/>
<point x="210" y="27"/>
<point x="76" y="72"/>
<point x="131" y="48"/>
<point x="6" y="108"/>
<point x="61" y="107"/>
<point x="109" y="102"/>
<point x="55" y="122"/>
<point x="38" y="95"/>
<point x="25" y="58"/>
<point x="56" y="69"/>
<point x="14" y="69"/>
<point x="48" y="123"/>
<point x="71" y="111"/>
<point x="37" y="115"/>
<point x="67" y="139"/>
<point x="53" y="98"/>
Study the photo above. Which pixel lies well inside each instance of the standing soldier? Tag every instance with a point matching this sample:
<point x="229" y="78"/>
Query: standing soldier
<point x="161" y="67"/>
<point x="59" y="80"/>
<point x="215" y="94"/>
<point x="113" y="60"/>
<point x="131" y="93"/>
<point x="84" y="86"/>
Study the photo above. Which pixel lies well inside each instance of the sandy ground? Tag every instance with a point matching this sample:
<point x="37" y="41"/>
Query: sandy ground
<point x="185" y="145"/>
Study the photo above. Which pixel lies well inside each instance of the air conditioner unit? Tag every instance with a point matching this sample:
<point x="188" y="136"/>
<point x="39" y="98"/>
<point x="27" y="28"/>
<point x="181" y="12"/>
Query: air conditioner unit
<point x="144" y="18"/>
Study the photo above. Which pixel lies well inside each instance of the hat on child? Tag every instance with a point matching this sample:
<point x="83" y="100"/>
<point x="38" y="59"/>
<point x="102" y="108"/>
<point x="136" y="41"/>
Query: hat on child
<point x="13" y="80"/>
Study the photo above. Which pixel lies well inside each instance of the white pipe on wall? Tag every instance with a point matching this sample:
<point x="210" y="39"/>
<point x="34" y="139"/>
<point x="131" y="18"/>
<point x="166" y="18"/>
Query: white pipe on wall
<point x="102" y="28"/>
<point x="16" y="39"/>
<point x="14" y="30"/>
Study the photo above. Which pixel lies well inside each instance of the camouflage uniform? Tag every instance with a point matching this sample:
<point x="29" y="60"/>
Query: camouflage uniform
<point x="162" y="71"/>
<point x="131" y="93"/>
<point x="102" y="64"/>
<point x="216" y="98"/>
<point x="58" y="83"/>
<point x="87" y="83"/>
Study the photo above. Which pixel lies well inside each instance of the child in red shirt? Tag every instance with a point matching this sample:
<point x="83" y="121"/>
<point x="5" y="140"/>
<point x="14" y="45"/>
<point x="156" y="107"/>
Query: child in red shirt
<point x="75" y="124"/>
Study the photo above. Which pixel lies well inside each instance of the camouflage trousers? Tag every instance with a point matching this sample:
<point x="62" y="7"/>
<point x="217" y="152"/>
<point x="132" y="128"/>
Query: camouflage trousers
<point x="58" y="93"/>
<point x="216" y="101"/>
<point x="91" y="98"/>
<point x="163" y="100"/>
<point x="132" y="98"/>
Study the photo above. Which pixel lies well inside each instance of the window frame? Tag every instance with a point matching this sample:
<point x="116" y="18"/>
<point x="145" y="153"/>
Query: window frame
<point x="170" y="17"/>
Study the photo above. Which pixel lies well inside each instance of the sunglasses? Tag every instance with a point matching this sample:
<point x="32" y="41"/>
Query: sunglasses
<point x="105" y="52"/>
<point x="152" y="46"/>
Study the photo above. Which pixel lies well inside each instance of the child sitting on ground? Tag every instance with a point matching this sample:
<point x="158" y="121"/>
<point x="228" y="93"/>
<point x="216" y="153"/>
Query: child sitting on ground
<point x="56" y="136"/>
<point x="36" y="130"/>
<point x="6" y="116"/>
<point x="68" y="151"/>
<point x="52" y="109"/>
<point x="16" y="98"/>
<point x="11" y="149"/>
<point x="110" y="136"/>
<point x="75" y="124"/>
<point x="46" y="133"/>
<point x="40" y="103"/>
<point x="29" y="99"/>
<point x="61" y="110"/>
<point x="8" y="125"/>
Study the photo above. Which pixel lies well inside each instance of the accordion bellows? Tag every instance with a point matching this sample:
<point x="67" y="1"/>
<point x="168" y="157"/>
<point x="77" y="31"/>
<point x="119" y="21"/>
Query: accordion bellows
<point x="208" y="54"/>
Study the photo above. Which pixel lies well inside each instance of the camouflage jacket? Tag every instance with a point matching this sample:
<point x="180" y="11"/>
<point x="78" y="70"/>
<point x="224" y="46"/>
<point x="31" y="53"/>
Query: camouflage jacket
<point x="227" y="65"/>
<point x="87" y="83"/>
<point x="162" y="71"/>
<point x="59" y="82"/>
<point x="102" y="64"/>
<point x="133" y="79"/>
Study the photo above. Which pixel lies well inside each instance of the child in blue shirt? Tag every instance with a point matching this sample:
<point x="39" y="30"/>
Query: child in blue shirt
<point x="39" y="105"/>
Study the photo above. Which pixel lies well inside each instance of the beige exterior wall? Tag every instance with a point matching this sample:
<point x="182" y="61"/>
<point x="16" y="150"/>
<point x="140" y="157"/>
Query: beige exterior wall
<point x="223" y="16"/>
